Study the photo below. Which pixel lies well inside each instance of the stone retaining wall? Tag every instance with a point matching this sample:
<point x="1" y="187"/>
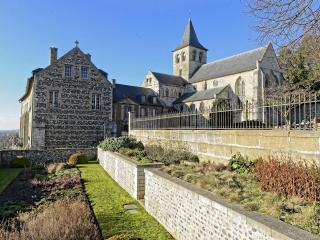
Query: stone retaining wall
<point x="127" y="173"/>
<point x="189" y="213"/>
<point x="222" y="144"/>
<point x="44" y="156"/>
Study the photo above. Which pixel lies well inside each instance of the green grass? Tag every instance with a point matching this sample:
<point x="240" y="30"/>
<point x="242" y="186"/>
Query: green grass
<point x="108" y="198"/>
<point x="7" y="175"/>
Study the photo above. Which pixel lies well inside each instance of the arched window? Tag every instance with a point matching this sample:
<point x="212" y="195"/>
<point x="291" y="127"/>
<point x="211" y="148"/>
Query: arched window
<point x="192" y="107"/>
<point x="267" y="81"/>
<point x="240" y="88"/>
<point x="194" y="55"/>
<point x="201" y="107"/>
<point x="183" y="56"/>
<point x="171" y="93"/>
<point x="200" y="56"/>
<point x="177" y="58"/>
<point x="167" y="92"/>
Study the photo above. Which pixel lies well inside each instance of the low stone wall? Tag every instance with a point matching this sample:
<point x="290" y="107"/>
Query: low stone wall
<point x="127" y="173"/>
<point x="44" y="156"/>
<point x="222" y="144"/>
<point x="190" y="213"/>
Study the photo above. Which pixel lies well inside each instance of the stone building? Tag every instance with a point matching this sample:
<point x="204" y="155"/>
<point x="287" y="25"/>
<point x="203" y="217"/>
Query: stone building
<point x="66" y="104"/>
<point x="140" y="101"/>
<point x="197" y="84"/>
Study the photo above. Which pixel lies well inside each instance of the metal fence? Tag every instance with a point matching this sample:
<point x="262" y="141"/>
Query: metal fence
<point x="293" y="111"/>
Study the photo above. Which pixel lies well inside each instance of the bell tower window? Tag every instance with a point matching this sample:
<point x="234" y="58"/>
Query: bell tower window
<point x="177" y="58"/>
<point x="183" y="56"/>
<point x="200" y="56"/>
<point x="194" y="54"/>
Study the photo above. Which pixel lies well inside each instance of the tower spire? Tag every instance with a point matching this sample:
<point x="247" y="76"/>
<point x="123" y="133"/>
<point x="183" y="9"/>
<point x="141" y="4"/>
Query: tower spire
<point x="190" y="38"/>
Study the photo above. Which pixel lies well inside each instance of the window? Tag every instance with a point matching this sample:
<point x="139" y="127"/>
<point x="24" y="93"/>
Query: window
<point x="143" y="98"/>
<point x="154" y="100"/>
<point x="205" y="86"/>
<point x="240" y="88"/>
<point x="84" y="73"/>
<point x="96" y="99"/>
<point x="153" y="112"/>
<point x="200" y="56"/>
<point x="194" y="54"/>
<point x="167" y="92"/>
<point x="142" y="112"/>
<point x="177" y="58"/>
<point x="183" y="56"/>
<point x="180" y="72"/>
<point x="54" y="98"/>
<point x="67" y="70"/>
<point x="201" y="108"/>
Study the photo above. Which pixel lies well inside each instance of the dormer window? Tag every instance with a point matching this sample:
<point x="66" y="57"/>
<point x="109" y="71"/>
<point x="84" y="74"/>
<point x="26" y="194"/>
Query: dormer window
<point x="154" y="100"/>
<point x="143" y="98"/>
<point x="68" y="70"/>
<point x="84" y="73"/>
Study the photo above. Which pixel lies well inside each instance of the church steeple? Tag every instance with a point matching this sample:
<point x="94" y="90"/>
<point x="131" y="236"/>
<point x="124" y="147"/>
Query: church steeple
<point x="189" y="55"/>
<point x="190" y="38"/>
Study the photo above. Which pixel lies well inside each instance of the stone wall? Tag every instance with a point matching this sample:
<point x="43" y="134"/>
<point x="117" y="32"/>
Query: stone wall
<point x="220" y="145"/>
<point x="44" y="156"/>
<point x="127" y="173"/>
<point x="189" y="213"/>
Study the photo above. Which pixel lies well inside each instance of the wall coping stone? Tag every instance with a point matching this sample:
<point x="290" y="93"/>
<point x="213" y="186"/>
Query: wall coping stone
<point x="276" y="228"/>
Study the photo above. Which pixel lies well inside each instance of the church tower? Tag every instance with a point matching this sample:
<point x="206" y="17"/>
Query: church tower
<point x="189" y="55"/>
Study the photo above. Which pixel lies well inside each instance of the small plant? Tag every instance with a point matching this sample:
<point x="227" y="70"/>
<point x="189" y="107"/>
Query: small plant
<point x="54" y="167"/>
<point x="77" y="158"/>
<point x="20" y="162"/>
<point x="240" y="164"/>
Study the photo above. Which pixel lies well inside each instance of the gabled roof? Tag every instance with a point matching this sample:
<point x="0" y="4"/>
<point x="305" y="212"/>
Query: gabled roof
<point x="211" y="93"/>
<point x="190" y="38"/>
<point x="242" y="62"/>
<point x="134" y="93"/>
<point x="171" y="80"/>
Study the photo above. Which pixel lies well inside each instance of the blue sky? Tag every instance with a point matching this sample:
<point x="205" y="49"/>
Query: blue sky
<point x="125" y="38"/>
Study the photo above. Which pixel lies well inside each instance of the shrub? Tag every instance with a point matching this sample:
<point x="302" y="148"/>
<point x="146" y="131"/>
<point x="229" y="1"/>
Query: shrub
<point x="20" y="162"/>
<point x="289" y="178"/>
<point x="240" y="164"/>
<point x="77" y="158"/>
<point x="62" y="220"/>
<point x="114" y="144"/>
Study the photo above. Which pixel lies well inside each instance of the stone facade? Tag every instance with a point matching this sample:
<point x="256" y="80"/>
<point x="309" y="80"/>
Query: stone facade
<point x="189" y="213"/>
<point x="44" y="156"/>
<point x="67" y="104"/>
<point x="126" y="172"/>
<point x="220" y="145"/>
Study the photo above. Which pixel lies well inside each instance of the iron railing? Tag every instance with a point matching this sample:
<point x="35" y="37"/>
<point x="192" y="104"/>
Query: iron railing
<point x="293" y="111"/>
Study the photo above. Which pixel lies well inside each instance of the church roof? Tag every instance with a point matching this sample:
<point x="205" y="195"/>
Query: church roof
<point x="134" y="93"/>
<point x="167" y="79"/>
<point x="190" y="38"/>
<point x="200" y="95"/>
<point x="242" y="62"/>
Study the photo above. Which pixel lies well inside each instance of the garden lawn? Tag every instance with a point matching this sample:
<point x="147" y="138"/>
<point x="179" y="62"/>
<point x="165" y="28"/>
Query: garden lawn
<point x="108" y="198"/>
<point x="7" y="175"/>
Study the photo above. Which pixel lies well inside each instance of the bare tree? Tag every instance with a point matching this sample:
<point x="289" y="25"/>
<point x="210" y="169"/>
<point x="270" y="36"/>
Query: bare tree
<point x="285" y="21"/>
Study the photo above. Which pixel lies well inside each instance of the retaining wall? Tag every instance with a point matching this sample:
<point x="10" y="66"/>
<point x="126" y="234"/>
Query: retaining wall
<point x="222" y="144"/>
<point x="44" y="156"/>
<point x="189" y="213"/>
<point x="127" y="173"/>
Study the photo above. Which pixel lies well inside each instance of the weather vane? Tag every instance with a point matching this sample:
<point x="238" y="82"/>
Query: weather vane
<point x="77" y="43"/>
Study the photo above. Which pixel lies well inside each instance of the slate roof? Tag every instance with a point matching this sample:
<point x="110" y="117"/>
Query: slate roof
<point x="134" y="93"/>
<point x="169" y="79"/>
<point x="190" y="38"/>
<point x="200" y="95"/>
<point x="242" y="62"/>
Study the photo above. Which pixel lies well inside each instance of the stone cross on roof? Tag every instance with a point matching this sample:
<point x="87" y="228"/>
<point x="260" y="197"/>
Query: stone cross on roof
<point x="77" y="43"/>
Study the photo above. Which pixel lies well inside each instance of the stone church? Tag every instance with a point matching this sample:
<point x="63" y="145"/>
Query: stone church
<point x="68" y="104"/>
<point x="195" y="84"/>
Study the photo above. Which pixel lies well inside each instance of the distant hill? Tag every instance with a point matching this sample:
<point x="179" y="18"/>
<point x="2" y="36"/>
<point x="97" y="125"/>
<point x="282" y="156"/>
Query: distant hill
<point x="4" y="133"/>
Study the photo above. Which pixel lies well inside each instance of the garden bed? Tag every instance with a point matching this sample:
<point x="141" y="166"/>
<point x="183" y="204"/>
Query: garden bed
<point x="47" y="204"/>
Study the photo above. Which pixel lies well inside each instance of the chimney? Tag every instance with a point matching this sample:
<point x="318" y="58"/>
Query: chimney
<point x="113" y="83"/>
<point x="89" y="56"/>
<point x="53" y="55"/>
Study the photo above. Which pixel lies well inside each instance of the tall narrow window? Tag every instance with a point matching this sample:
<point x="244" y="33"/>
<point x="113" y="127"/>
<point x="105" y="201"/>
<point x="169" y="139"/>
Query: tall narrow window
<point x="194" y="54"/>
<point x="177" y="58"/>
<point x="96" y="99"/>
<point x="54" y="98"/>
<point x="84" y="73"/>
<point x="200" y="56"/>
<point x="67" y="70"/>
<point x="167" y="92"/>
<point x="183" y="56"/>
<point x="180" y="72"/>
<point x="240" y="88"/>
